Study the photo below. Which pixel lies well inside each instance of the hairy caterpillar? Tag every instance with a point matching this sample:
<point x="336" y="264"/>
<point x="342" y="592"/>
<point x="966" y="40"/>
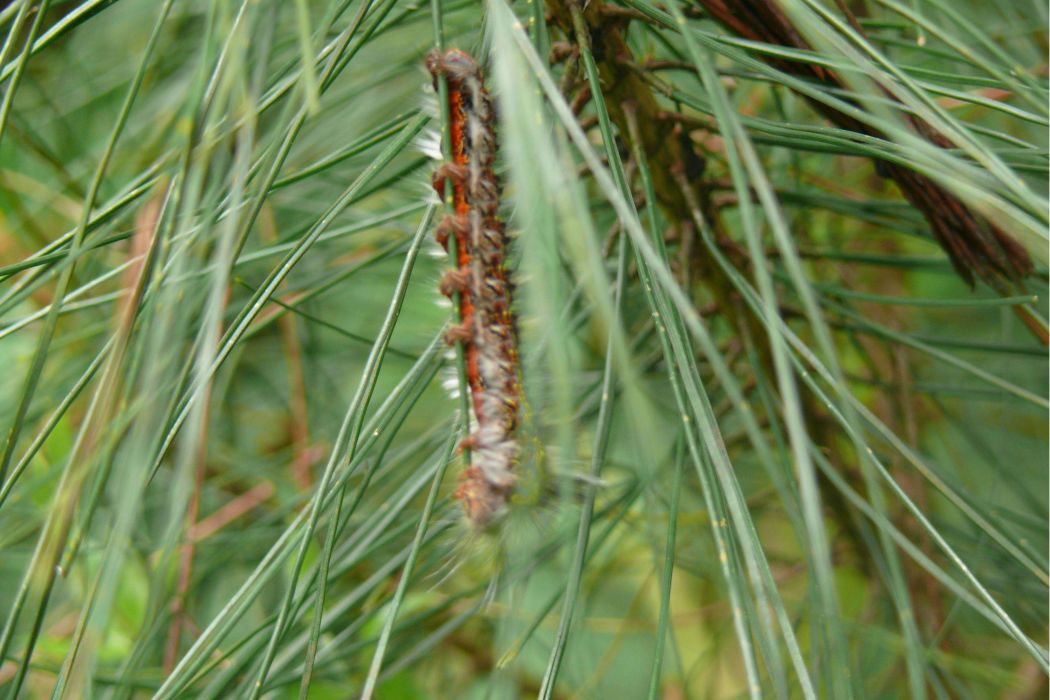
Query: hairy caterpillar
<point x="487" y="331"/>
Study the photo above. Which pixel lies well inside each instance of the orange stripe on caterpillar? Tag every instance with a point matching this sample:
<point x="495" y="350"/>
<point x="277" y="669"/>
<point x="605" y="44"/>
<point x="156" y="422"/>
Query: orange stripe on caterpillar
<point x="487" y="331"/>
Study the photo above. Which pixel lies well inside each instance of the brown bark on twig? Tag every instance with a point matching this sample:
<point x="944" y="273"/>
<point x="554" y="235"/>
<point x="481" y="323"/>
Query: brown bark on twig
<point x="680" y="192"/>
<point x="977" y="247"/>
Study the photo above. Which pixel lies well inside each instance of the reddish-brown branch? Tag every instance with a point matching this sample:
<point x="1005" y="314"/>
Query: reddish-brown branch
<point x="977" y="247"/>
<point x="237" y="508"/>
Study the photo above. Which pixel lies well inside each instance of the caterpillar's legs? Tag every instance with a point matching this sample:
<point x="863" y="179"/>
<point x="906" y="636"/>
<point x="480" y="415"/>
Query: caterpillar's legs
<point x="453" y="224"/>
<point x="460" y="333"/>
<point x="457" y="280"/>
<point x="453" y="172"/>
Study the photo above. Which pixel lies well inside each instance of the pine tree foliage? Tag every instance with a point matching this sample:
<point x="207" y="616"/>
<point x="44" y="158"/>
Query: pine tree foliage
<point x="780" y="276"/>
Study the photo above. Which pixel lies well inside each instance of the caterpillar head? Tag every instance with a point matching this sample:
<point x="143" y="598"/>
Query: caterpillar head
<point x="457" y="66"/>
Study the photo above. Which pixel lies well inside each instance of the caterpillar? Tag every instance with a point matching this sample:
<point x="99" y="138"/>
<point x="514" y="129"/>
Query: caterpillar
<point x="486" y="330"/>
